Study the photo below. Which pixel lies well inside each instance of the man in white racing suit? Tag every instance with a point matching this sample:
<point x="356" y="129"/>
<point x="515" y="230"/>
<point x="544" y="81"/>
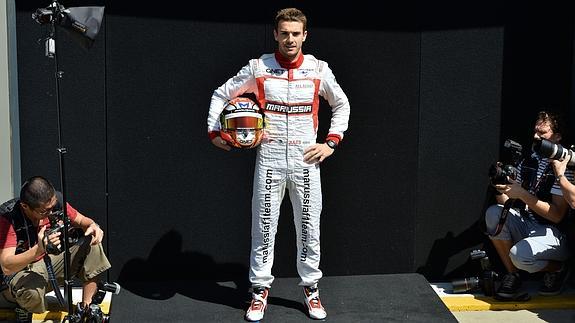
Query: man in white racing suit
<point x="287" y="85"/>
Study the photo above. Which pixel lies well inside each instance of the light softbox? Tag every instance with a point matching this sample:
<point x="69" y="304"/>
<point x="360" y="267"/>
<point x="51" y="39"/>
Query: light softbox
<point x="83" y="24"/>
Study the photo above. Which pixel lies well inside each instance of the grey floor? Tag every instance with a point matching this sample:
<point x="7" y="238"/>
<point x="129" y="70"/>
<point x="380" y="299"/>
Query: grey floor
<point x="371" y="298"/>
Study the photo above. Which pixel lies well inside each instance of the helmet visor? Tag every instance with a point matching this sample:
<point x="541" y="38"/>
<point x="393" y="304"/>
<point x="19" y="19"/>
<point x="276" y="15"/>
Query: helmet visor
<point x="246" y="120"/>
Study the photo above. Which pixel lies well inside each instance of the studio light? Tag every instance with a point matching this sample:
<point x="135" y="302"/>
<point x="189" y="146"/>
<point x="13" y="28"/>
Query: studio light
<point x="82" y="23"/>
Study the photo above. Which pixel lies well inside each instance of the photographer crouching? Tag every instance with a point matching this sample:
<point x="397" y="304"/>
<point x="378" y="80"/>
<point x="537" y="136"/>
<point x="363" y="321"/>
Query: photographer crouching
<point x="29" y="234"/>
<point x="523" y="224"/>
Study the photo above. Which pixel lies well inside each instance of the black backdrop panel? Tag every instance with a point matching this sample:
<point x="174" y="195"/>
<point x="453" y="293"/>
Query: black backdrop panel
<point x="171" y="192"/>
<point x="82" y="105"/>
<point x="458" y="135"/>
<point x="402" y="192"/>
<point x="537" y="73"/>
<point x="369" y="200"/>
<point x="167" y="180"/>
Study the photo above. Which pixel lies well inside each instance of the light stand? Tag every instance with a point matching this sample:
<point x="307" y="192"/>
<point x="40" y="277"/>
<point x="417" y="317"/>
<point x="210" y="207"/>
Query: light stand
<point x="83" y="21"/>
<point x="51" y="52"/>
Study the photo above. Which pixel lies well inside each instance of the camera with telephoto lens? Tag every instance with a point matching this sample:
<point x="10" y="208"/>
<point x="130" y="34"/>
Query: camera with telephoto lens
<point x="548" y="149"/>
<point x="484" y="282"/>
<point x="500" y="173"/>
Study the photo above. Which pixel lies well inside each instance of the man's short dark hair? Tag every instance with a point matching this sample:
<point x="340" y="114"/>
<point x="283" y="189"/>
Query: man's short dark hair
<point x="555" y="120"/>
<point x="291" y="14"/>
<point x="36" y="191"/>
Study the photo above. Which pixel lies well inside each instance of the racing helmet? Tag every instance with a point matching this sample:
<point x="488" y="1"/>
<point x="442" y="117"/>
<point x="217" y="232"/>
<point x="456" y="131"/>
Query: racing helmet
<point x="242" y="123"/>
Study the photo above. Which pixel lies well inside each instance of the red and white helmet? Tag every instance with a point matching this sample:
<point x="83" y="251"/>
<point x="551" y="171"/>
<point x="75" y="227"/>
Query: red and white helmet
<point x="242" y="123"/>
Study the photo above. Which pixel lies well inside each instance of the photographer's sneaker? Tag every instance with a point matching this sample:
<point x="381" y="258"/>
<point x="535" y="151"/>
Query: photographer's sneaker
<point x="81" y="309"/>
<point x="510" y="285"/>
<point x="258" y="305"/>
<point x="22" y="315"/>
<point x="553" y="282"/>
<point x="313" y="303"/>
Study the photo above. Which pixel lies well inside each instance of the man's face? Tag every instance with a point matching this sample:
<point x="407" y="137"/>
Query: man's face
<point x="543" y="131"/>
<point x="41" y="211"/>
<point x="290" y="37"/>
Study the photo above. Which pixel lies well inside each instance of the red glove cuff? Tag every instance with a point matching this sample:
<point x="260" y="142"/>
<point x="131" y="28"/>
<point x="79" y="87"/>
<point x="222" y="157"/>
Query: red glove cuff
<point x="333" y="137"/>
<point x="213" y="134"/>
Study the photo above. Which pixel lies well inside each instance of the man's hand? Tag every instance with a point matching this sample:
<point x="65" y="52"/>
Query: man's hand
<point x="559" y="166"/>
<point x="512" y="190"/>
<point x="316" y="153"/>
<point x="45" y="240"/>
<point x="97" y="233"/>
<point x="41" y="241"/>
<point x="220" y="143"/>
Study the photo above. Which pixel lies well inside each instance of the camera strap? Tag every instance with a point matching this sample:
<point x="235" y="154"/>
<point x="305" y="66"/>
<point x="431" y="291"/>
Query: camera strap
<point x="53" y="281"/>
<point x="536" y="180"/>
<point x="534" y="188"/>
<point x="504" y="213"/>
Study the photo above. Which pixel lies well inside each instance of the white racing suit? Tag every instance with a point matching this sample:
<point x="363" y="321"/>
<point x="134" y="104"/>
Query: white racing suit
<point x="289" y="94"/>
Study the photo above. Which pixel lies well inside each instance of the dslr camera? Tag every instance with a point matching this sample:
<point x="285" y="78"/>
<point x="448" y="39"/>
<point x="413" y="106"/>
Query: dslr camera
<point x="484" y="282"/>
<point x="500" y="173"/>
<point x="547" y="149"/>
<point x="57" y="219"/>
<point x="56" y="225"/>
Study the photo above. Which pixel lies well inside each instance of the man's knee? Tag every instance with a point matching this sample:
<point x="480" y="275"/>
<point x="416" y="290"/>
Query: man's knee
<point x="492" y="215"/>
<point x="522" y="257"/>
<point x="31" y="299"/>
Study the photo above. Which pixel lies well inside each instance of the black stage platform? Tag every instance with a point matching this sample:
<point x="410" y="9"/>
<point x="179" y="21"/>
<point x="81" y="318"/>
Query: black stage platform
<point x="370" y="298"/>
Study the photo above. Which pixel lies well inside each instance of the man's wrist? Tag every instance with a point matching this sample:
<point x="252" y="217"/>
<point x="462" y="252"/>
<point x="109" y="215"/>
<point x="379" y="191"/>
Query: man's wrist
<point x="558" y="178"/>
<point x="529" y="199"/>
<point x="331" y="144"/>
<point x="40" y="248"/>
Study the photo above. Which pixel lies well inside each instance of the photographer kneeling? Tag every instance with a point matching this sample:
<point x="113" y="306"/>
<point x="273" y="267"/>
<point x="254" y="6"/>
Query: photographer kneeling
<point x="27" y="237"/>
<point x="533" y="205"/>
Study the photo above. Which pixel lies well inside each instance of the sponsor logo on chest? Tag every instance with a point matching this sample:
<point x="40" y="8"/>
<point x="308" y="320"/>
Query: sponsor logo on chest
<point x="288" y="109"/>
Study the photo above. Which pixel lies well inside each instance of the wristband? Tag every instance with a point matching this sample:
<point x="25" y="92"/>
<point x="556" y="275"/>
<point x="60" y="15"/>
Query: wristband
<point x="558" y="177"/>
<point x="331" y="144"/>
